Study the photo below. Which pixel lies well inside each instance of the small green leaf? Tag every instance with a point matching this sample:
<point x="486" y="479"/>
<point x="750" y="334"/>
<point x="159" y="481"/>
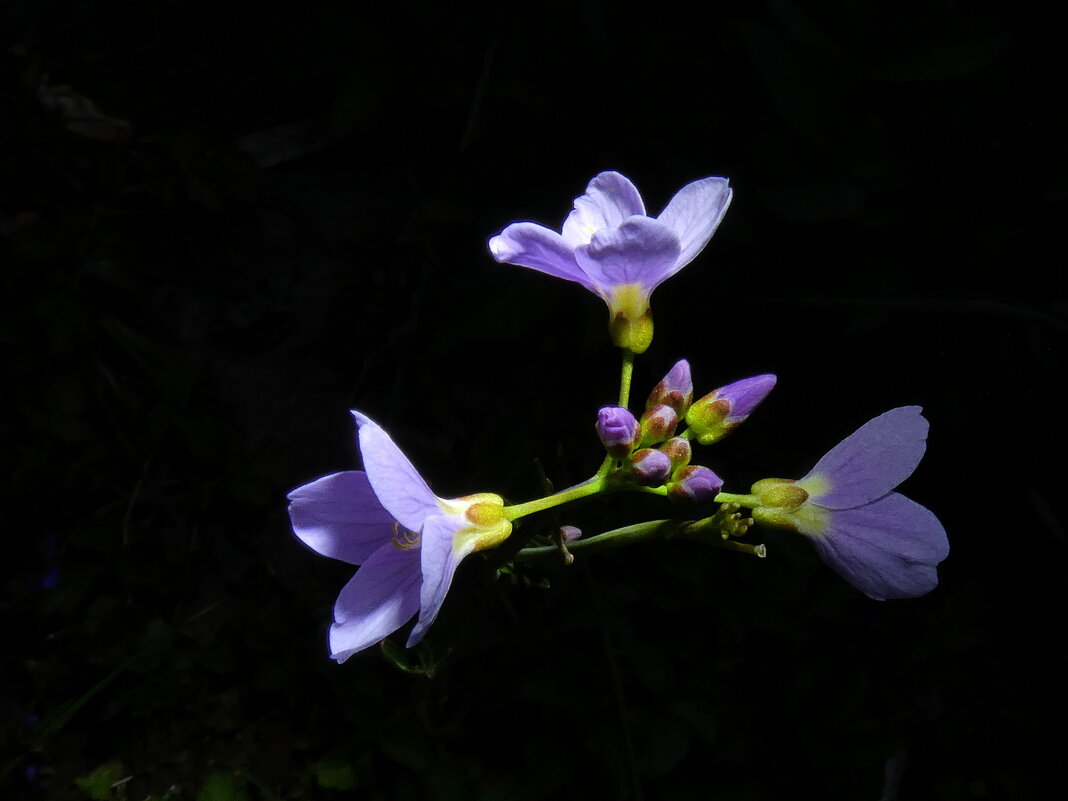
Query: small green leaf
<point x="410" y="749"/>
<point x="398" y="657"/>
<point x="335" y="773"/>
<point x="99" y="785"/>
<point x="221" y="787"/>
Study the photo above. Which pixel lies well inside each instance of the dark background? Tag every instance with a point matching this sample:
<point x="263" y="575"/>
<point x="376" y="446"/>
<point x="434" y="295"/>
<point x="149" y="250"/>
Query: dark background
<point x="222" y="226"/>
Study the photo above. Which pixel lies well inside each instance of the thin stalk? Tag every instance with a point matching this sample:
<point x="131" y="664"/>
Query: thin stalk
<point x="586" y="488"/>
<point x="624" y="379"/>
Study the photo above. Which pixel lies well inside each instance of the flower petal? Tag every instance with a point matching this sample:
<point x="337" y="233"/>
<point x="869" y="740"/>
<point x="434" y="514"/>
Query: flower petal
<point x="395" y="481"/>
<point x="535" y="246"/>
<point x="694" y="215"/>
<point x="886" y="549"/>
<point x="339" y="516"/>
<point x="610" y="198"/>
<point x="639" y="251"/>
<point x="378" y="600"/>
<point x="439" y="562"/>
<point x="745" y="395"/>
<point x="871" y="461"/>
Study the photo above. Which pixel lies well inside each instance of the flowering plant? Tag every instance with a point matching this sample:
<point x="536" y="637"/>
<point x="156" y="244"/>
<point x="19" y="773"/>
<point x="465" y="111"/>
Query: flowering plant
<point x="409" y="542"/>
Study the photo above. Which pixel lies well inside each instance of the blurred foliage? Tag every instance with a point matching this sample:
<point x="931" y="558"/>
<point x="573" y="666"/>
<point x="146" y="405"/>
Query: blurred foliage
<point x="224" y="225"/>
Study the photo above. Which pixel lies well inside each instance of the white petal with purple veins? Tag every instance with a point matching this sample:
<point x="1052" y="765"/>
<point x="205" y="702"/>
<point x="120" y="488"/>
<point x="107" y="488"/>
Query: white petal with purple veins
<point x="439" y="563"/>
<point x="695" y="213"/>
<point x="378" y="600"/>
<point x="394" y="479"/>
<point x="340" y="516"/>
<point x="639" y="251"/>
<point x="871" y="461"/>
<point x="531" y="245"/>
<point x="610" y="199"/>
<point x="886" y="549"/>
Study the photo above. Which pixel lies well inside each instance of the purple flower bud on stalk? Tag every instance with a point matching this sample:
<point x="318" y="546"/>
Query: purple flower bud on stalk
<point x="658" y="424"/>
<point x="570" y="533"/>
<point x="678" y="450"/>
<point x="694" y="484"/>
<point x="882" y="543"/>
<point x="618" y="431"/>
<point x="650" y="467"/>
<point x="719" y="412"/>
<point x="674" y="390"/>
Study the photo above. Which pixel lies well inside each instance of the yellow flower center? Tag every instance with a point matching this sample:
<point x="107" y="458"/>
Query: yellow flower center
<point x="488" y="527"/>
<point x="631" y="322"/>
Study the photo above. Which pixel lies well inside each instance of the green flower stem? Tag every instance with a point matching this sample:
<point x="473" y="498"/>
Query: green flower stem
<point x="748" y="501"/>
<point x="661" y="490"/>
<point x="605" y="468"/>
<point x="604" y="480"/>
<point x="624" y="379"/>
<point x="590" y="487"/>
<point x="707" y="531"/>
<point x="628" y="535"/>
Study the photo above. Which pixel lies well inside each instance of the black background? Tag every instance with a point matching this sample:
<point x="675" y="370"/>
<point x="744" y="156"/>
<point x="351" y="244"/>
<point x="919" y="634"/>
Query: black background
<point x="225" y="225"/>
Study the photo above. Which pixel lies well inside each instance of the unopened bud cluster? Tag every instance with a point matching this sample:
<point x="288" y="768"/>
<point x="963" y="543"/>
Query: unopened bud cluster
<point x="653" y="453"/>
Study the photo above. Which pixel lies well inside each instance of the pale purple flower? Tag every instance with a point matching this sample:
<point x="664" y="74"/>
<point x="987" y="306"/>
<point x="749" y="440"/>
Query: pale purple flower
<point x="722" y="410"/>
<point x="611" y="247"/>
<point x="882" y="543"/>
<point x="407" y="541"/>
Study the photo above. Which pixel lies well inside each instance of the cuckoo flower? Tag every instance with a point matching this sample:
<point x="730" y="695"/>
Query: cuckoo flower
<point x="878" y="540"/>
<point x="407" y="541"/>
<point x="611" y="247"/>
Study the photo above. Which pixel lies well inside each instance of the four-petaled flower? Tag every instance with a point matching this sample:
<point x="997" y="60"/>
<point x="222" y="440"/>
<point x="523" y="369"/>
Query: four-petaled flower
<point x="407" y="540"/>
<point x="882" y="543"/>
<point x="610" y="246"/>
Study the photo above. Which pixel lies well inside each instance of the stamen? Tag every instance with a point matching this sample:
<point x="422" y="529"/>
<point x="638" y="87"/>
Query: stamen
<point x="403" y="539"/>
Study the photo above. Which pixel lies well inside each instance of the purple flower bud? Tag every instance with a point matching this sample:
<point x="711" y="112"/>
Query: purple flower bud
<point x="618" y="431"/>
<point x="693" y="484"/>
<point x="658" y="424"/>
<point x="678" y="450"/>
<point x="720" y="411"/>
<point x="650" y="467"/>
<point x="570" y="533"/>
<point x="674" y="390"/>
